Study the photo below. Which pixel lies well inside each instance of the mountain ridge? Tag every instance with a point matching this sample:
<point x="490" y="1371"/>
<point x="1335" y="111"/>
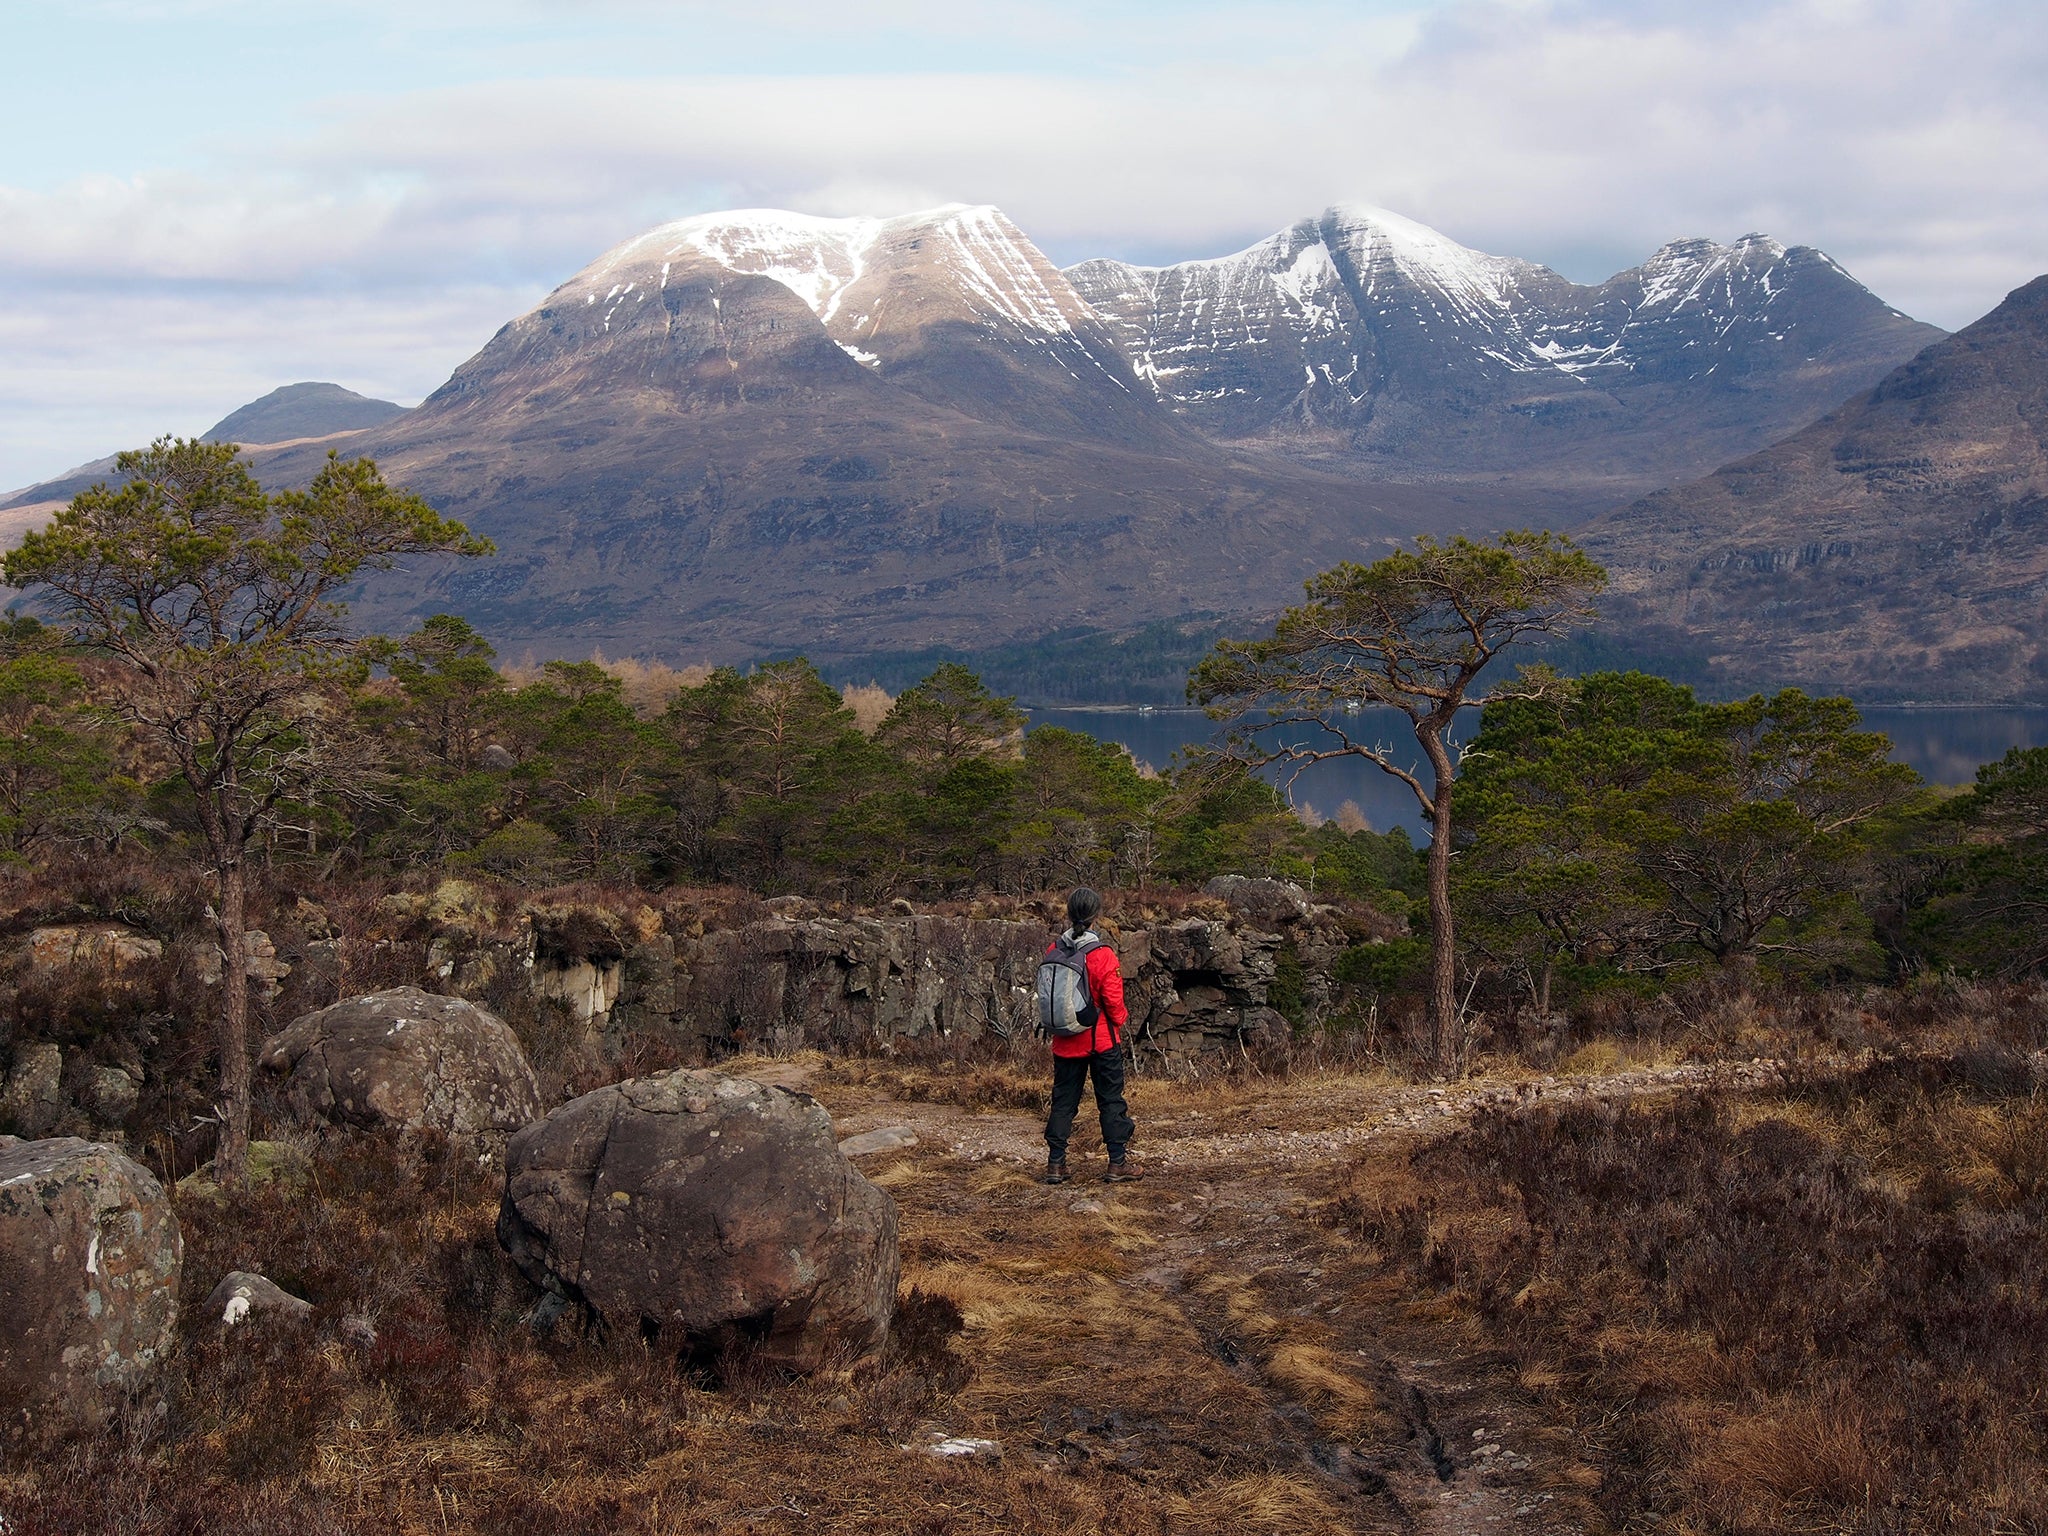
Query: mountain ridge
<point x="672" y="451"/>
<point x="1359" y="335"/>
<point x="288" y="414"/>
<point x="746" y="432"/>
<point x="1898" y="547"/>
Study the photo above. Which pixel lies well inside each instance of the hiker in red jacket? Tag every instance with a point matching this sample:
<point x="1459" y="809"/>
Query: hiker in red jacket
<point x="1081" y="1006"/>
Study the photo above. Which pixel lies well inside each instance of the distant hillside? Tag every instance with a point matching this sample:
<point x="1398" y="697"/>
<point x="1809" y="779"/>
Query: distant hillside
<point x="282" y="416"/>
<point x="1898" y="548"/>
<point x="302" y="410"/>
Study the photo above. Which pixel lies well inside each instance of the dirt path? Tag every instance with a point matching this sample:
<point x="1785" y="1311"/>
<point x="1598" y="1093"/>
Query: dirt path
<point x="1403" y="1420"/>
<point x="1194" y="1140"/>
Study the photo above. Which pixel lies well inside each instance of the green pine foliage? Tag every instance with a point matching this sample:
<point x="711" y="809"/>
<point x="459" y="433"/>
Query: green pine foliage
<point x="1614" y="826"/>
<point x="1982" y="874"/>
<point x="762" y="779"/>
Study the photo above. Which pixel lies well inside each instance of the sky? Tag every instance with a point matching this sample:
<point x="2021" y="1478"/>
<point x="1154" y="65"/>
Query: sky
<point x="201" y="200"/>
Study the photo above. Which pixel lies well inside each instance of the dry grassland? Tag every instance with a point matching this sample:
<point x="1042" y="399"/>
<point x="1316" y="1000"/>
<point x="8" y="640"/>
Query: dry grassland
<point x="1792" y="1300"/>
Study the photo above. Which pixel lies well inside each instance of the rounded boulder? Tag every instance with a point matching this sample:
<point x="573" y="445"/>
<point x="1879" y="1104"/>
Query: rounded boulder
<point x="90" y="1256"/>
<point x="406" y="1060"/>
<point x="700" y="1207"/>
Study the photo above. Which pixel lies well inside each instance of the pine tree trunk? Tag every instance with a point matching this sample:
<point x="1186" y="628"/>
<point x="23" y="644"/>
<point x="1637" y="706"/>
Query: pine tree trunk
<point x="1445" y="1042"/>
<point x="231" y="1159"/>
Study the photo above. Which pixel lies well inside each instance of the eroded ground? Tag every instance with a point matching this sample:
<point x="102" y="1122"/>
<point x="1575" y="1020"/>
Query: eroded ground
<point x="1215" y="1349"/>
<point x="1211" y="1333"/>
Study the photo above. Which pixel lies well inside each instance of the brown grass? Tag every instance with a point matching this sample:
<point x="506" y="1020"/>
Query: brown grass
<point x="1023" y="1321"/>
<point x="647" y="685"/>
<point x="1817" y="1309"/>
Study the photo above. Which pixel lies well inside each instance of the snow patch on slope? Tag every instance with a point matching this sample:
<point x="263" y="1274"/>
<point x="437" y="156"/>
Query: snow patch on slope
<point x="820" y="260"/>
<point x="815" y="259"/>
<point x="1481" y="286"/>
<point x="992" y="264"/>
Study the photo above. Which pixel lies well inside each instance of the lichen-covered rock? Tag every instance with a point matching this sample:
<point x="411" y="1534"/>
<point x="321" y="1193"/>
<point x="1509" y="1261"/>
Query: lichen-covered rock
<point x="242" y="1295"/>
<point x="1263" y="901"/>
<point x="796" y="980"/>
<point x="89" y="1261"/>
<point x="106" y="945"/>
<point x="782" y="985"/>
<point x="110" y="1094"/>
<point x="260" y="962"/>
<point x="701" y="1206"/>
<point x="406" y="1060"/>
<point x="33" y="1101"/>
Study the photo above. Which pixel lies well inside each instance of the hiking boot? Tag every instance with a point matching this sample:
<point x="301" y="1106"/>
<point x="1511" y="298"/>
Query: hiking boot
<point x="1123" y="1171"/>
<point x="1056" y="1170"/>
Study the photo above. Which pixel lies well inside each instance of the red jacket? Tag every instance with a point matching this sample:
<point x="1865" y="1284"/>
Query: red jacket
<point x="1106" y="986"/>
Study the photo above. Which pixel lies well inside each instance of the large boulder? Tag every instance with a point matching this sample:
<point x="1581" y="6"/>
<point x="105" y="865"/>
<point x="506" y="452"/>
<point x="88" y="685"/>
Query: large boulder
<point x="406" y="1060"/>
<point x="33" y="1101"/>
<point x="244" y="1294"/>
<point x="89" y="1262"/>
<point x="701" y="1207"/>
<point x="1268" y="902"/>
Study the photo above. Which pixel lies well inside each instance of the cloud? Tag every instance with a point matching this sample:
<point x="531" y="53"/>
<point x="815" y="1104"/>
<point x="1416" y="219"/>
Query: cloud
<point x="88" y="372"/>
<point x="1905" y="138"/>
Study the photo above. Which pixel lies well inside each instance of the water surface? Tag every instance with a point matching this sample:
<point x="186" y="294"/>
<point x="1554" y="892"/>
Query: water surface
<point x="1944" y="745"/>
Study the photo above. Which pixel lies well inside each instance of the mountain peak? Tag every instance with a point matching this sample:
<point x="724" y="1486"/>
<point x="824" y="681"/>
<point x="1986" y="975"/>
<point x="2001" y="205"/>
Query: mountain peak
<point x="743" y="306"/>
<point x="1379" y="239"/>
<point x="816" y="257"/>
<point x="310" y="409"/>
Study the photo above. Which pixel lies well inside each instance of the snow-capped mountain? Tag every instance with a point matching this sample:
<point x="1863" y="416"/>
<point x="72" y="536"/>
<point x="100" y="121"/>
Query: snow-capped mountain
<point x="744" y="432"/>
<point x="953" y="303"/>
<point x="1299" y="327"/>
<point x="1363" y="332"/>
<point x="875" y="283"/>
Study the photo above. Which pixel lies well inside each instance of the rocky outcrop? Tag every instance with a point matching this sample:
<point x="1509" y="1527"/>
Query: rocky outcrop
<point x="105" y="945"/>
<point x="579" y="957"/>
<point x="406" y="1060"/>
<point x="782" y="984"/>
<point x="1193" y="984"/>
<point x="33" y="1101"/>
<point x="110" y="1094"/>
<point x="1249" y="963"/>
<point x="700" y="1208"/>
<point x="260" y="963"/>
<point x="89" y="1263"/>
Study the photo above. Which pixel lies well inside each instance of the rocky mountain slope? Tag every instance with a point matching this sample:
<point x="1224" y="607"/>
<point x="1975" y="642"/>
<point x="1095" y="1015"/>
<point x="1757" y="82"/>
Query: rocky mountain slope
<point x="1898" y="548"/>
<point x="751" y="432"/>
<point x="1364" y="338"/>
<point x="301" y="410"/>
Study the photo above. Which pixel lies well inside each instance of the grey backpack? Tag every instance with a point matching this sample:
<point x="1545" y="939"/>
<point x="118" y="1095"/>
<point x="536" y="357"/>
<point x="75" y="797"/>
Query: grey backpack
<point x="1066" y="1007"/>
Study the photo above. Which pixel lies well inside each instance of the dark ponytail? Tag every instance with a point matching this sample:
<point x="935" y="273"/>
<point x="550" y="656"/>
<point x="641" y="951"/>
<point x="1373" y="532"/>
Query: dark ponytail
<point x="1083" y="907"/>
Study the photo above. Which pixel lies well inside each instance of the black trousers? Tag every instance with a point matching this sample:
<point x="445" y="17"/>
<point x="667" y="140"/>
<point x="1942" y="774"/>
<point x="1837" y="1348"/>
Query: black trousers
<point x="1068" y="1074"/>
